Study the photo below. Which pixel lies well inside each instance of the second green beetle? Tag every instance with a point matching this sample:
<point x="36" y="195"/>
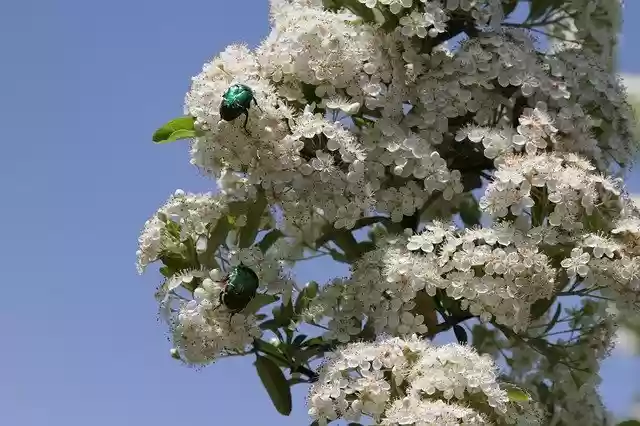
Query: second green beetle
<point x="236" y="101"/>
<point x="240" y="288"/>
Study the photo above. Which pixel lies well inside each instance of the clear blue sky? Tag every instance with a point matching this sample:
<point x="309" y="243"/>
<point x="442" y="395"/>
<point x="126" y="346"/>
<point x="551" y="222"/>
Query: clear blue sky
<point x="82" y="86"/>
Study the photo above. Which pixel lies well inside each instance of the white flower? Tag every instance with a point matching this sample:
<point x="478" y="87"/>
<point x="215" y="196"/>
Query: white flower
<point x="577" y="263"/>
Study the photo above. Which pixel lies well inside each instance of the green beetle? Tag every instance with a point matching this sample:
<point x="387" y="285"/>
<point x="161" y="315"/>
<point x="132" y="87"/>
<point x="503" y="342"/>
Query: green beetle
<point x="240" y="288"/>
<point x="235" y="102"/>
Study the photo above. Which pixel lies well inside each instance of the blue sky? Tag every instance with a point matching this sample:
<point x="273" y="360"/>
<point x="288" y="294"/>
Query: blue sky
<point x="82" y="86"/>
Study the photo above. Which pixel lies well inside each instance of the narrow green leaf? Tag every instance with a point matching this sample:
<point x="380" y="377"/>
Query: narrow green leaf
<point x="516" y="395"/>
<point x="275" y="383"/>
<point x="461" y="334"/>
<point x="295" y="380"/>
<point x="259" y="302"/>
<point x="269" y="239"/>
<point x="217" y="236"/>
<point x="539" y="307"/>
<point x="426" y="307"/>
<point x="248" y="232"/>
<point x="176" y="129"/>
<point x="267" y="347"/>
<point x="315" y="341"/>
<point x="479" y="334"/>
<point x="299" y="339"/>
<point x="554" y="320"/>
<point x="537" y="9"/>
<point x="337" y="256"/>
<point x="509" y="6"/>
<point x="271" y="324"/>
<point x="166" y="271"/>
<point x="470" y="211"/>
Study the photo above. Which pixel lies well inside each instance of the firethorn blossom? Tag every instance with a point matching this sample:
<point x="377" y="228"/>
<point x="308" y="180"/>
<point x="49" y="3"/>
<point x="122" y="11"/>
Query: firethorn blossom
<point x="480" y="165"/>
<point x="410" y="382"/>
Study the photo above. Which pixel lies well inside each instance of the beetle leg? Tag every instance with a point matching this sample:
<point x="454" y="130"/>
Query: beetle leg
<point x="246" y="120"/>
<point x="220" y="302"/>
<point x="256" y="104"/>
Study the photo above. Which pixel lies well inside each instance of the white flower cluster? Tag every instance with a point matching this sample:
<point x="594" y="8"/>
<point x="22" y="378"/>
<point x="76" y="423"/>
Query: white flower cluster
<point x="382" y="288"/>
<point x="306" y="156"/>
<point x="354" y="118"/>
<point x="569" y="96"/>
<point x="202" y="328"/>
<point x="495" y="272"/>
<point x="191" y="212"/>
<point x="409" y="382"/>
<point x="565" y="187"/>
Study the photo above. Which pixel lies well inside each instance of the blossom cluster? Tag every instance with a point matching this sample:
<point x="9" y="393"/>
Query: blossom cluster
<point x="202" y="328"/>
<point x="182" y="216"/>
<point x="410" y="382"/>
<point x="495" y="272"/>
<point x="565" y="188"/>
<point x="359" y="116"/>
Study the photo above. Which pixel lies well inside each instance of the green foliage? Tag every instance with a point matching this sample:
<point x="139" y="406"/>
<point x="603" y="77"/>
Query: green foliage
<point x="470" y="210"/>
<point x="269" y="239"/>
<point x="461" y="334"/>
<point x="275" y="383"/>
<point x="542" y="8"/>
<point x="516" y="394"/>
<point x="176" y="129"/>
<point x="250" y="230"/>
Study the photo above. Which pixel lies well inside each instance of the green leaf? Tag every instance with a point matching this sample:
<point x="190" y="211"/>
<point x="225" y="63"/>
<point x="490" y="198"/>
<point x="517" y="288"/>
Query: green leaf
<point x="283" y="314"/>
<point x="554" y="320"/>
<point x="269" y="239"/>
<point x="629" y="423"/>
<point x="337" y="256"/>
<point x="509" y="6"/>
<point x="295" y="380"/>
<point x="299" y="339"/>
<point x="470" y="211"/>
<point x="539" y="8"/>
<point x="270" y="324"/>
<point x="305" y="296"/>
<point x="461" y="334"/>
<point x="176" y="129"/>
<point x="315" y="341"/>
<point x="259" y="302"/>
<point x="271" y="351"/>
<point x="248" y="232"/>
<point x="166" y="271"/>
<point x="217" y="236"/>
<point x="275" y="383"/>
<point x="426" y="307"/>
<point x="539" y="307"/>
<point x="517" y="395"/>
<point x="479" y="335"/>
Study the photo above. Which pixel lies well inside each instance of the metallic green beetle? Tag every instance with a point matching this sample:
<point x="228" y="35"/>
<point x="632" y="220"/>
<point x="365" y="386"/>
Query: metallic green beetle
<point x="240" y="288"/>
<point x="235" y="102"/>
